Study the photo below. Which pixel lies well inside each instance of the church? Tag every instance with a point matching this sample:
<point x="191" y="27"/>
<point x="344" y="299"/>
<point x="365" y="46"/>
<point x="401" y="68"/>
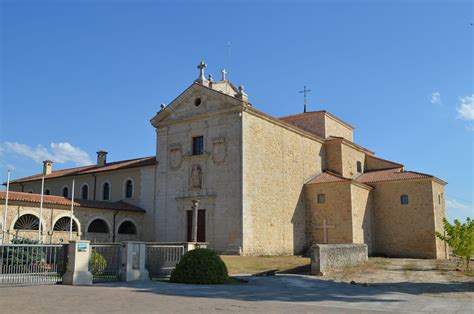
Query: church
<point x="262" y="185"/>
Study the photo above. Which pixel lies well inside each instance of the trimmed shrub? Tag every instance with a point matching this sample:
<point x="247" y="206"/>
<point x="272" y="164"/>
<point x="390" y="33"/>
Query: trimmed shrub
<point x="200" y="266"/>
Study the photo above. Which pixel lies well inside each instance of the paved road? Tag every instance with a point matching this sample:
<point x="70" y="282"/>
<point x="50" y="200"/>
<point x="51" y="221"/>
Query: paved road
<point x="283" y="293"/>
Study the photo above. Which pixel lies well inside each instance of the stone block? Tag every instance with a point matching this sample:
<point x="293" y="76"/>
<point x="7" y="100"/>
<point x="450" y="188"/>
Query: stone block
<point x="332" y="256"/>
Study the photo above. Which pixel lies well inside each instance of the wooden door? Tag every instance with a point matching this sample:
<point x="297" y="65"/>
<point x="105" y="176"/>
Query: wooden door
<point x="201" y="225"/>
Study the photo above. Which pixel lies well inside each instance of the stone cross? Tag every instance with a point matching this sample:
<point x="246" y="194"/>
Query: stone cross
<point x="195" y="220"/>
<point x="325" y="228"/>
<point x="224" y="73"/>
<point x="201" y="66"/>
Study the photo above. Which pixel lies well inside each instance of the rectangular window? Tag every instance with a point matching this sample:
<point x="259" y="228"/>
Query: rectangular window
<point x="404" y="199"/>
<point x="359" y="167"/>
<point x="198" y="145"/>
<point x="439" y="199"/>
<point x="321" y="198"/>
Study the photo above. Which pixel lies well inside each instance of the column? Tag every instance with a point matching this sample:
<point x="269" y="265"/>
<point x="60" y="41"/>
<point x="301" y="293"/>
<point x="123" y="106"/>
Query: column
<point x="77" y="269"/>
<point x="133" y="261"/>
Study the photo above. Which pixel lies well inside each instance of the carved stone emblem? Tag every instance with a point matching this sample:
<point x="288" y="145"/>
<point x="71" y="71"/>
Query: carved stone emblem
<point x="175" y="157"/>
<point x="195" y="178"/>
<point x="219" y="150"/>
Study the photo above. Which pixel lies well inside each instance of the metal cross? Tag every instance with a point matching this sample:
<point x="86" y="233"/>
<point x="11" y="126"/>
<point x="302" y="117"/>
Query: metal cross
<point x="224" y="73"/>
<point x="325" y="228"/>
<point x="304" y="91"/>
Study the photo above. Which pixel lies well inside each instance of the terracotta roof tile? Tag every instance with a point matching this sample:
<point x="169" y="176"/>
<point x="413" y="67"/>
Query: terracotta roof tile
<point x="59" y="200"/>
<point x="124" y="164"/>
<point x="328" y="177"/>
<point x="394" y="174"/>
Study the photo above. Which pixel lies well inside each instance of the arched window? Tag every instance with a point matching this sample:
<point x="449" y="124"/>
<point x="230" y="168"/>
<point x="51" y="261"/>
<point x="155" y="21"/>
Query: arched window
<point x="359" y="166"/>
<point x="98" y="226"/>
<point x="65" y="191"/>
<point x="64" y="224"/>
<point x="128" y="189"/>
<point x="27" y="222"/>
<point x="127" y="227"/>
<point x="404" y="199"/>
<point x="47" y="192"/>
<point x="106" y="191"/>
<point x="85" y="192"/>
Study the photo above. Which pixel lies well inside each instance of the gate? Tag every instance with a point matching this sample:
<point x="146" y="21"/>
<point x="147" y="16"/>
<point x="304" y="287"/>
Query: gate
<point x="31" y="264"/>
<point x="162" y="259"/>
<point x="105" y="262"/>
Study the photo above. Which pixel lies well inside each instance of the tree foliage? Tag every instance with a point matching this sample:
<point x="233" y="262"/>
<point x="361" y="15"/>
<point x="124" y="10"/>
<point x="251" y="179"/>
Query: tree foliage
<point x="460" y="237"/>
<point x="98" y="263"/>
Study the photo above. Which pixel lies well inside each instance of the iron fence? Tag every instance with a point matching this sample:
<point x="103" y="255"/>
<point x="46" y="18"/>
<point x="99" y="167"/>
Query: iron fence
<point x="105" y="262"/>
<point x="161" y="259"/>
<point x="31" y="264"/>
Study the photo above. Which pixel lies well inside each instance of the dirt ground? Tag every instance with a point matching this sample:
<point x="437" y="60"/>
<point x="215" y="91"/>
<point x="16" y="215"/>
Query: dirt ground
<point x="444" y="278"/>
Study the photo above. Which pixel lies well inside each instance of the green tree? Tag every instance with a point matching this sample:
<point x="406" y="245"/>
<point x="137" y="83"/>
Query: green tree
<point x="460" y="237"/>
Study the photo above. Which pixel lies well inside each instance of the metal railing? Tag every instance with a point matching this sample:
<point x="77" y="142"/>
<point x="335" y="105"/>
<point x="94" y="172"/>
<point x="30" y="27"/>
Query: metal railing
<point x="162" y="259"/>
<point x="31" y="264"/>
<point x="105" y="262"/>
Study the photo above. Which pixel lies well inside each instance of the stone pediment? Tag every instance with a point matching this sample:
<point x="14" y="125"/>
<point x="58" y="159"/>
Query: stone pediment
<point x="198" y="100"/>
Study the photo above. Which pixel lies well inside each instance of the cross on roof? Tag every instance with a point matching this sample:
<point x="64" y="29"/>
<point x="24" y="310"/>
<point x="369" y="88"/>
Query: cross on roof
<point x="325" y="228"/>
<point x="224" y="73"/>
<point x="305" y="91"/>
<point x="201" y="66"/>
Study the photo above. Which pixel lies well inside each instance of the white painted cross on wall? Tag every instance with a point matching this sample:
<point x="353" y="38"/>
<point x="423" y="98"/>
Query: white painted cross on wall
<point x="325" y="228"/>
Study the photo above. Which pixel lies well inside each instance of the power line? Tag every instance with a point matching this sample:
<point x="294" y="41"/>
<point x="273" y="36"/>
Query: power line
<point x="458" y="198"/>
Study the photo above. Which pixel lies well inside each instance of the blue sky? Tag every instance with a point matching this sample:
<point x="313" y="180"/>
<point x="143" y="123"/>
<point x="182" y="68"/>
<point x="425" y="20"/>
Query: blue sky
<point x="79" y="76"/>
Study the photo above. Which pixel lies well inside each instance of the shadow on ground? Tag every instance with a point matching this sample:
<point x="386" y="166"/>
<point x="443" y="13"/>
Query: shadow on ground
<point x="292" y="288"/>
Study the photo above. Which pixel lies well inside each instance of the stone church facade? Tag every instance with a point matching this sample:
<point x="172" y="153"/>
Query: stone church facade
<point x="265" y="185"/>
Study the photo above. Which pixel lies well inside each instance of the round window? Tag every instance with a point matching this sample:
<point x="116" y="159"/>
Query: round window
<point x="197" y="101"/>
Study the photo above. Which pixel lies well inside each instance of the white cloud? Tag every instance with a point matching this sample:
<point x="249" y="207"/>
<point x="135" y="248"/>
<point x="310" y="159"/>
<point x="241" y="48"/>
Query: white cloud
<point x="59" y="152"/>
<point x="466" y="108"/>
<point x="436" y="98"/>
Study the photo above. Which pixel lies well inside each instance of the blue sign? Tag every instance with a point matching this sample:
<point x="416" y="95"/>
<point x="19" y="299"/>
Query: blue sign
<point x="82" y="247"/>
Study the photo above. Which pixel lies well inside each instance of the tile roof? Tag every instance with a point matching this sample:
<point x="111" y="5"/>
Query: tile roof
<point x="117" y="165"/>
<point x="328" y="177"/>
<point x="59" y="200"/>
<point x="394" y="174"/>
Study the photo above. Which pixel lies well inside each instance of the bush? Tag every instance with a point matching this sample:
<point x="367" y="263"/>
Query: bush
<point x="200" y="266"/>
<point x="98" y="263"/>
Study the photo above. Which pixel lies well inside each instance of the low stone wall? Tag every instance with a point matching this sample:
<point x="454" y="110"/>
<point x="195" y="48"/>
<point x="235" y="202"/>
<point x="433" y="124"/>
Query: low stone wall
<point x="333" y="256"/>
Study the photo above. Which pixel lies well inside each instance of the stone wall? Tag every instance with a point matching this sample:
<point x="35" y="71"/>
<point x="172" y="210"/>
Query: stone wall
<point x="83" y="217"/>
<point x="116" y="179"/>
<point x="337" y="211"/>
<point x="362" y="212"/>
<point x="333" y="156"/>
<point x="439" y="214"/>
<point x="375" y="163"/>
<point x="325" y="257"/>
<point x="277" y="161"/>
<point x="350" y="156"/>
<point x="335" y="127"/>
<point x="219" y="122"/>
<point x="342" y="158"/>
<point x="407" y="230"/>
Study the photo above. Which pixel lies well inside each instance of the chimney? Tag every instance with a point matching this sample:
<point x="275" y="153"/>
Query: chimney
<point x="47" y="167"/>
<point x="101" y="158"/>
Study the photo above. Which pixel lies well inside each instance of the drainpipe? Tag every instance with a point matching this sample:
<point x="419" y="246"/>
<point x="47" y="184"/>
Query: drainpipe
<point x="115" y="219"/>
